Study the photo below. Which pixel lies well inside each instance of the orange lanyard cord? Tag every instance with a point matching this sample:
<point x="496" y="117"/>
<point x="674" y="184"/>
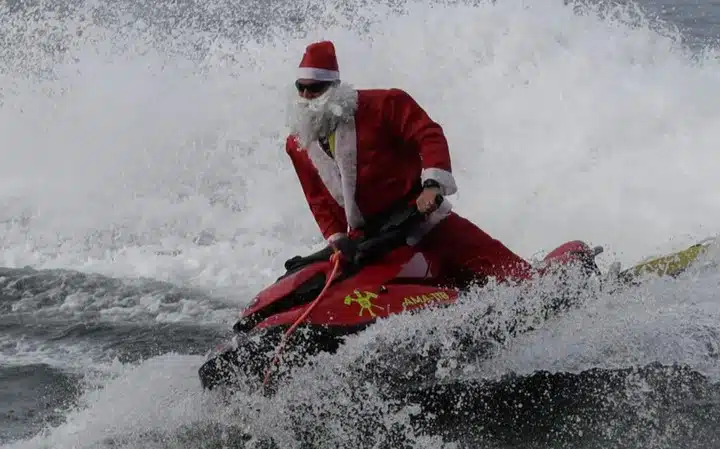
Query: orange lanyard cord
<point x="335" y="260"/>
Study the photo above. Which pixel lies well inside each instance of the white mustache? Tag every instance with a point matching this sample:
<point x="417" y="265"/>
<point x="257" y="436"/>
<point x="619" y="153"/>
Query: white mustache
<point x="312" y="118"/>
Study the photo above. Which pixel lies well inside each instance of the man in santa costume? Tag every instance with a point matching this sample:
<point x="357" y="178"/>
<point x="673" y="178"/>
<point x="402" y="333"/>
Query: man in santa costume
<point x="360" y="154"/>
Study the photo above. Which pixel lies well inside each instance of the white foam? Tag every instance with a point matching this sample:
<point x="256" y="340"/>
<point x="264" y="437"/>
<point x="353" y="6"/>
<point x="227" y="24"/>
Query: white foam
<point x="561" y="126"/>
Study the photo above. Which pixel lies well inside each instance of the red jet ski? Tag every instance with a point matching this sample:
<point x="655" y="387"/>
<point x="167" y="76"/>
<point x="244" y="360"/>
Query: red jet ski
<point x="386" y="277"/>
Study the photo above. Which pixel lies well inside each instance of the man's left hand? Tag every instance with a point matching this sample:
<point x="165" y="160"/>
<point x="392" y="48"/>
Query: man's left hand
<point x="426" y="202"/>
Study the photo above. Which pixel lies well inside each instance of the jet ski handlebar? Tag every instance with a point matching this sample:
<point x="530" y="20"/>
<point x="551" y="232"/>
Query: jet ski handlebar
<point x="392" y="233"/>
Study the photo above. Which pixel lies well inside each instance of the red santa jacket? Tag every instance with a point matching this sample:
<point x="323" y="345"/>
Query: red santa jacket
<point x="380" y="157"/>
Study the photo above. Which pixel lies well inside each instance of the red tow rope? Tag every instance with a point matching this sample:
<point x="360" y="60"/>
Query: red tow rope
<point x="335" y="260"/>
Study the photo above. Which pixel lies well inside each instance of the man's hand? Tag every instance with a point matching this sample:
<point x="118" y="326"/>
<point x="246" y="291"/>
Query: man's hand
<point x="347" y="248"/>
<point x="426" y="201"/>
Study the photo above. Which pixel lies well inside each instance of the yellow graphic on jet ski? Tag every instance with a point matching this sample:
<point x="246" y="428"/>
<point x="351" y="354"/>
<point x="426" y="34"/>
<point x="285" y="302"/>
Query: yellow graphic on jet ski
<point x="364" y="300"/>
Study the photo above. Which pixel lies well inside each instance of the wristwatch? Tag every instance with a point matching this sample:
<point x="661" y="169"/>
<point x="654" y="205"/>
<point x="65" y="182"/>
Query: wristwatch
<point x="430" y="184"/>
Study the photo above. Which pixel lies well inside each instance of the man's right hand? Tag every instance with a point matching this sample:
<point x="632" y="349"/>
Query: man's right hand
<point x="427" y="202"/>
<point x="346" y="247"/>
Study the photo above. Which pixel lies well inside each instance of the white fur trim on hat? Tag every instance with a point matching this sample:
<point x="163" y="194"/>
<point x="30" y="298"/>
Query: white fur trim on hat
<point x="317" y="74"/>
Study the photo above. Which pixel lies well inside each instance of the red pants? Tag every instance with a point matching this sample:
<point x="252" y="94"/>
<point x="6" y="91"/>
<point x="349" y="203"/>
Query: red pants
<point x="467" y="254"/>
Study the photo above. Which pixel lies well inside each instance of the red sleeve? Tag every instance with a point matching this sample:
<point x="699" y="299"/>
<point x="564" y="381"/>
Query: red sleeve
<point x="414" y="126"/>
<point x="328" y="214"/>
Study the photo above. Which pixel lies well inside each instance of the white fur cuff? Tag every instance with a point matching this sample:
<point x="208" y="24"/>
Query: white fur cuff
<point x="443" y="177"/>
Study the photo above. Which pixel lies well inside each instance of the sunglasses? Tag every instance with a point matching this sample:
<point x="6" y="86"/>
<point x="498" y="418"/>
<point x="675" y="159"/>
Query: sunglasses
<point x="313" y="88"/>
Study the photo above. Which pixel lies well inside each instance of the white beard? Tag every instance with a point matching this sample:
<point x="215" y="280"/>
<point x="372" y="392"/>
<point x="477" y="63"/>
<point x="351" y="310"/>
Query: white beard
<point x="312" y="119"/>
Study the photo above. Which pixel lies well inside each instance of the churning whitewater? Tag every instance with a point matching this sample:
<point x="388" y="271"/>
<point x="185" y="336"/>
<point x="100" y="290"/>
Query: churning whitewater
<point x="145" y="197"/>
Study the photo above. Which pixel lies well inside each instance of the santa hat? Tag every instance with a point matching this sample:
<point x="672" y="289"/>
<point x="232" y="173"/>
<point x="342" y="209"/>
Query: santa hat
<point x="319" y="63"/>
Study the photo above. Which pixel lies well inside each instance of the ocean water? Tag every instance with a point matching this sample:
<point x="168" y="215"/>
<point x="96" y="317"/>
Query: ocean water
<point x="145" y="196"/>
